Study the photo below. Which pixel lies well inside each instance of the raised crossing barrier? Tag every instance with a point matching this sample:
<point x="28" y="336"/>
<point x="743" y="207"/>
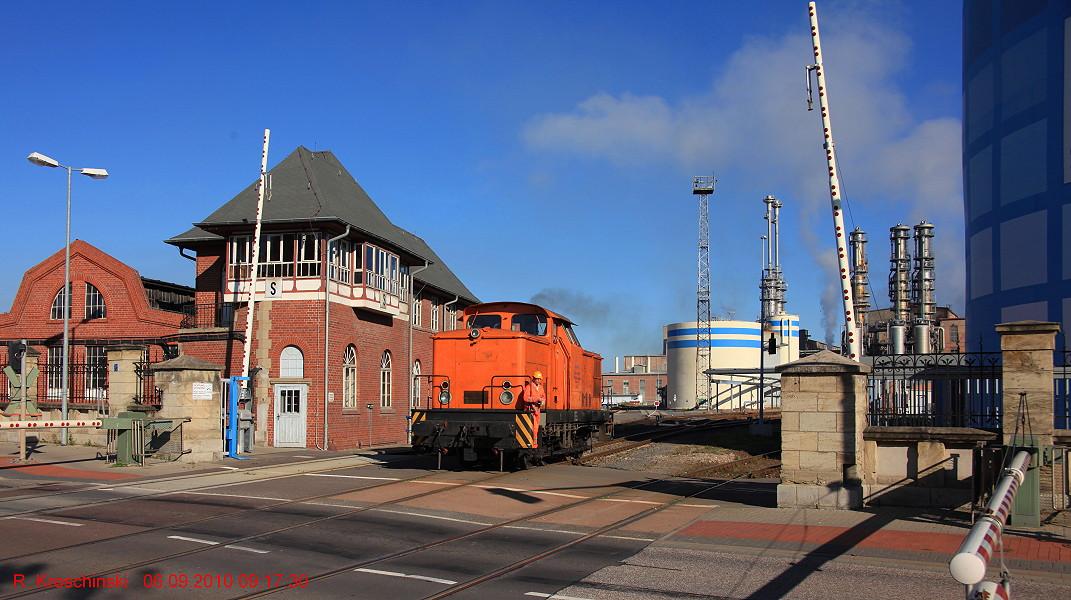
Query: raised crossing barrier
<point x="968" y="566"/>
<point x="39" y="424"/>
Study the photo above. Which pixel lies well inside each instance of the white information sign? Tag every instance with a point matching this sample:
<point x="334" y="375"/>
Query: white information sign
<point x="202" y="391"/>
<point x="273" y="288"/>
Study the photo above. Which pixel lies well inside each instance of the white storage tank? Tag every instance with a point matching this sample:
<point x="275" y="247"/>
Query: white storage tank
<point x="733" y="345"/>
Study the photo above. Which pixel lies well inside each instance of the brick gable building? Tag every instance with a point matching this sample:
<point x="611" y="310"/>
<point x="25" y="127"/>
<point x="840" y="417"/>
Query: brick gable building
<point x="334" y="272"/>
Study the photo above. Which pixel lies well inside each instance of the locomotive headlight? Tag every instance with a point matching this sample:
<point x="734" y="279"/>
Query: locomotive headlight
<point x="505" y="397"/>
<point x="444" y="397"/>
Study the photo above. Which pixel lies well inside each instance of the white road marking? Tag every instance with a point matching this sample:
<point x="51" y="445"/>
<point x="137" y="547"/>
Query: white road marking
<point x="628" y="500"/>
<point x="39" y="520"/>
<point x="625" y="537"/>
<point x="211" y="543"/>
<point x="352" y="476"/>
<point x="437" y="482"/>
<point x="230" y="468"/>
<point x="416" y="514"/>
<point x="543" y="529"/>
<point x="553" y="596"/>
<point x="233" y="496"/>
<point x="128" y="487"/>
<point x="301" y="456"/>
<point x="396" y="574"/>
<point x="699" y="505"/>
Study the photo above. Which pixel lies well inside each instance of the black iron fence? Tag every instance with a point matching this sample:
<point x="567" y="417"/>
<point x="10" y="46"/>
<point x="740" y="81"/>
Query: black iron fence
<point x="147" y="395"/>
<point x="87" y="385"/>
<point x="936" y="390"/>
<point x="203" y="316"/>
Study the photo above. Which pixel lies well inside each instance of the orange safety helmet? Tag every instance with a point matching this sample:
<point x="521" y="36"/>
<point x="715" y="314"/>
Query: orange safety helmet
<point x="537" y="375"/>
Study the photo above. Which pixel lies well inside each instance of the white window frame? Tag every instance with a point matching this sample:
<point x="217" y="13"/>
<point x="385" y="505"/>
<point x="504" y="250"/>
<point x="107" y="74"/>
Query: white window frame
<point x="96" y="307"/>
<point x="415" y="400"/>
<point x="434" y="315"/>
<point x="349" y="377"/>
<point x="385" y="271"/>
<point x="292" y="362"/>
<point x="341" y="259"/>
<point x="272" y="257"/>
<point x="96" y="373"/>
<point x="239" y="257"/>
<point x="56" y="312"/>
<point x="417" y="311"/>
<point x="55" y="373"/>
<point x="385" y="380"/>
<point x="308" y="254"/>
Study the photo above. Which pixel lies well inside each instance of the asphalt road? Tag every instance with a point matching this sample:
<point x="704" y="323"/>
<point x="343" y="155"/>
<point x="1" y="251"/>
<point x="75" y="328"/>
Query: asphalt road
<point x="348" y="529"/>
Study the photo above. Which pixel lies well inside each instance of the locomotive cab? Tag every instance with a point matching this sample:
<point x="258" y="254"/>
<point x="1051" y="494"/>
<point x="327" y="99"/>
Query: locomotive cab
<point x="477" y="407"/>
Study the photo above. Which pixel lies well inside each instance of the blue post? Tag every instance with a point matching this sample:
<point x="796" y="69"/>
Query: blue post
<point x="234" y="390"/>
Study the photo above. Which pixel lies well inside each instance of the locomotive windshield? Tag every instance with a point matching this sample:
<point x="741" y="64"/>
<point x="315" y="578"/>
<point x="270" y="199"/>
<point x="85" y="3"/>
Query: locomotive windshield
<point x="569" y="332"/>
<point x="485" y="322"/>
<point x="534" y="324"/>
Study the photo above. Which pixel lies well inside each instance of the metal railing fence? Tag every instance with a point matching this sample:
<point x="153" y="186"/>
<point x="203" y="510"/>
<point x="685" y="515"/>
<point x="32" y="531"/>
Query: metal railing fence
<point x="936" y="390"/>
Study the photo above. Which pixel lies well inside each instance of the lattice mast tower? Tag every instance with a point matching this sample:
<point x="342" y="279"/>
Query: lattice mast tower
<point x="703" y="186"/>
<point x="851" y="324"/>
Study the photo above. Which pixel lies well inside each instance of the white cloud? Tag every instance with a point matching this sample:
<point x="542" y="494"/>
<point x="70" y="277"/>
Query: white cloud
<point x="752" y="121"/>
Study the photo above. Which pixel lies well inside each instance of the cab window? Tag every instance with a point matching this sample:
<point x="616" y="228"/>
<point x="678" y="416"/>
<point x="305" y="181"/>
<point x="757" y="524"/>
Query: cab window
<point x="569" y="332"/>
<point x="485" y="322"/>
<point x="530" y="324"/>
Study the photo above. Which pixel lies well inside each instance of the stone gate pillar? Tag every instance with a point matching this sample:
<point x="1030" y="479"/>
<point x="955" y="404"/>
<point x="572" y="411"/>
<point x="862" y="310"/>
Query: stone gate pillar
<point x="823" y="414"/>
<point x="1027" y="348"/>
<point x="122" y="380"/>
<point x="191" y="388"/>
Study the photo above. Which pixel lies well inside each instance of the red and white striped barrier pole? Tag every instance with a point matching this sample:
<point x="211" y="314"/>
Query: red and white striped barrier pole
<point x="987" y="590"/>
<point x="970" y="562"/>
<point x="49" y="424"/>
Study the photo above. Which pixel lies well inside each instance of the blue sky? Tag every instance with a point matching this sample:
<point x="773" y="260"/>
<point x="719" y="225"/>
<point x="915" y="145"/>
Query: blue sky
<point x="543" y="149"/>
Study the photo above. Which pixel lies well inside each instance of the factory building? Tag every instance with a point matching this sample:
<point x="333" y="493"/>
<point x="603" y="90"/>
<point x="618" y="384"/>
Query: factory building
<point x="1017" y="164"/>
<point x="638" y="380"/>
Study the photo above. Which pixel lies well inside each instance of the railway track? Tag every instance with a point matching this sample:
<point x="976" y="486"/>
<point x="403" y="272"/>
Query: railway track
<point x="626" y="444"/>
<point x="499" y="572"/>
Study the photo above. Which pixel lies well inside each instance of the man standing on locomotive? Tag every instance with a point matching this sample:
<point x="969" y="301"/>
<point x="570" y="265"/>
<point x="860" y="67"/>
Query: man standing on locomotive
<point x="533" y="398"/>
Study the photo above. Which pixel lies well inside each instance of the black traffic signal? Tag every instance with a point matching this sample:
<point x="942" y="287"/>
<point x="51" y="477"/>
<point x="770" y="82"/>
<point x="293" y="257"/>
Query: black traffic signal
<point x="771" y="345"/>
<point x="15" y="352"/>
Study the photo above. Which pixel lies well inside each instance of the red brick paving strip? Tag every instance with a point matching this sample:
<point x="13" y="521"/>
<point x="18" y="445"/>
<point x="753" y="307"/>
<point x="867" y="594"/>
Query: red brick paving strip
<point x="69" y="473"/>
<point x="1023" y="548"/>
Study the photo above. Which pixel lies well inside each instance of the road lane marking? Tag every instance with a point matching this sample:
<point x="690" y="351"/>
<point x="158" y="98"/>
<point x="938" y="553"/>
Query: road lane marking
<point x="625" y="537"/>
<point x="127" y="487"/>
<point x="230" y="468"/>
<point x="633" y="501"/>
<point x="211" y="543"/>
<point x="553" y="596"/>
<point x="437" y="482"/>
<point x="352" y="476"/>
<point x="406" y="576"/>
<point x="303" y="456"/>
<point x="699" y="505"/>
<point x="39" y="520"/>
<point x="416" y="514"/>
<point x="235" y="496"/>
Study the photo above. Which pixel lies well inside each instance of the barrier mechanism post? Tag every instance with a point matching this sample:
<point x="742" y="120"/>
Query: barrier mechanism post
<point x="968" y="566"/>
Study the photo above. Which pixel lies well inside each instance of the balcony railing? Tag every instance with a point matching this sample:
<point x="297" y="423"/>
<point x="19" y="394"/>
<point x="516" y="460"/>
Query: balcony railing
<point x="203" y="316"/>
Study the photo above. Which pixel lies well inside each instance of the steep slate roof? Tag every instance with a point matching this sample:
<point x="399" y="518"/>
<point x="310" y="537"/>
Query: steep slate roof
<point x="312" y="186"/>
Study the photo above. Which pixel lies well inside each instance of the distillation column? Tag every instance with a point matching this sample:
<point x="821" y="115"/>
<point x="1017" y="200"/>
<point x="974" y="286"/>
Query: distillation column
<point x="860" y="283"/>
<point x="923" y="288"/>
<point x="899" y="287"/>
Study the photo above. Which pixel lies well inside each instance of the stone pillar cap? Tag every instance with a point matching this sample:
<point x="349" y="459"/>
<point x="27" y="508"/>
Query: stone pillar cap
<point x="823" y="362"/>
<point x="1028" y="327"/>
<point x="186" y="363"/>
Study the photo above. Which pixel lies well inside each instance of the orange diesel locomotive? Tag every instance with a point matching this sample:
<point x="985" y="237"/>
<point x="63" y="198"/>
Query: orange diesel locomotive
<point x="477" y="407"/>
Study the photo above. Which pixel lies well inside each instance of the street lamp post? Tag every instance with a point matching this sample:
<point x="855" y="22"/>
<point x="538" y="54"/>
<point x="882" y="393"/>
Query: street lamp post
<point x="45" y="161"/>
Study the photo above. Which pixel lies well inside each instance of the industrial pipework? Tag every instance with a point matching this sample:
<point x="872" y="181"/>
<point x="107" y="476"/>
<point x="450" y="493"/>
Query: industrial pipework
<point x="773" y="280"/>
<point x="899" y="287"/>
<point x="860" y="281"/>
<point x="923" y="287"/>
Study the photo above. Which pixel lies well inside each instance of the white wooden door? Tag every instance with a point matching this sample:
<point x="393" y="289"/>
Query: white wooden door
<point x="290" y="401"/>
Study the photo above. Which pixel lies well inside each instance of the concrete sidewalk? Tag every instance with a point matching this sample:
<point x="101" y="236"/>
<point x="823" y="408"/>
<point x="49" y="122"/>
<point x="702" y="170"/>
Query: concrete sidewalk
<point x="87" y="463"/>
<point x="883" y="533"/>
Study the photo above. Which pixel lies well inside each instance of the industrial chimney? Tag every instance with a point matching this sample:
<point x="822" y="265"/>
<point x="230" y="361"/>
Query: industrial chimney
<point x="860" y="283"/>
<point x="899" y="287"/>
<point x="923" y="287"/>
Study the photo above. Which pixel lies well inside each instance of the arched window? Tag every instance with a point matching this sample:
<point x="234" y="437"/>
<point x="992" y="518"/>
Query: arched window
<point x="95" y="307"/>
<point x="384" y="380"/>
<point x="291" y="362"/>
<point x="57" y="305"/>
<point x="416" y="385"/>
<point x="349" y="378"/>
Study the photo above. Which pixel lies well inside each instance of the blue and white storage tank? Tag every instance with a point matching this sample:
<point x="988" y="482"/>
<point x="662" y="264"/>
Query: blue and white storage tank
<point x="733" y="345"/>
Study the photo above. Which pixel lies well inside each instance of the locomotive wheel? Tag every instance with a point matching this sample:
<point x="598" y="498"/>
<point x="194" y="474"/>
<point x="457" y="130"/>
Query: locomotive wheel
<point x="523" y="461"/>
